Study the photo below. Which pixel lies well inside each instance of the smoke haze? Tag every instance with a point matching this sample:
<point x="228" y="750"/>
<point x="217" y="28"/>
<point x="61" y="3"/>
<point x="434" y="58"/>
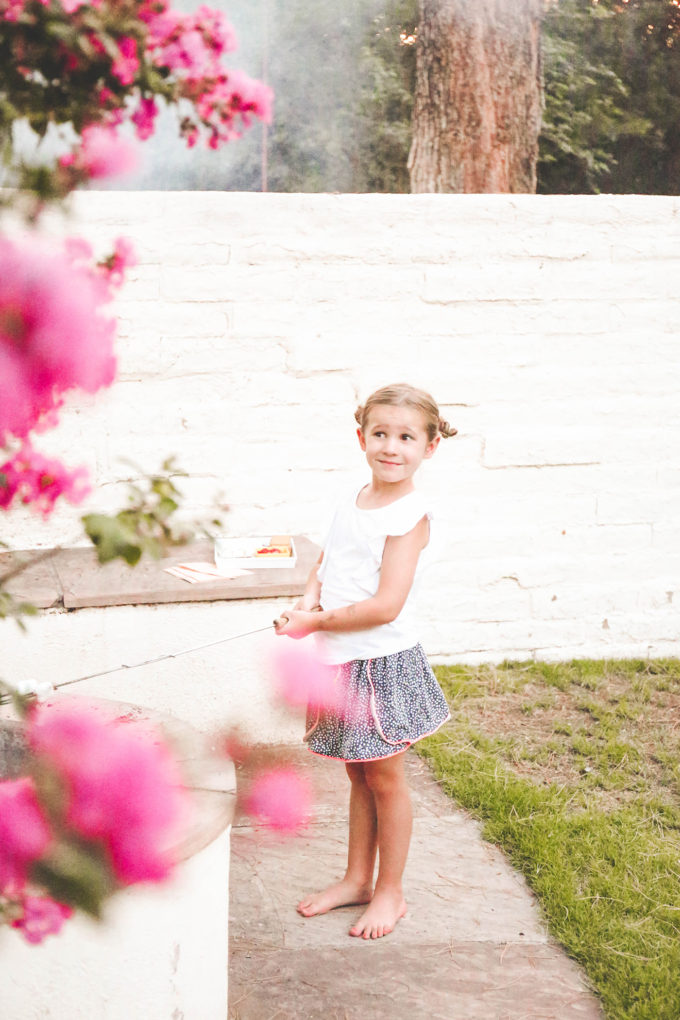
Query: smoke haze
<point x="311" y="53"/>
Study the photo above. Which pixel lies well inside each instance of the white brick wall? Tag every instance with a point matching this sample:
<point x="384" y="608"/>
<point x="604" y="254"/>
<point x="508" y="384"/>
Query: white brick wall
<point x="544" y="326"/>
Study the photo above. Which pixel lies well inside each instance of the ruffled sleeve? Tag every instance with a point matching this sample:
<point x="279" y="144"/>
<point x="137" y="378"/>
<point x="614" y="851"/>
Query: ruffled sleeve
<point x="376" y="526"/>
<point x="402" y="516"/>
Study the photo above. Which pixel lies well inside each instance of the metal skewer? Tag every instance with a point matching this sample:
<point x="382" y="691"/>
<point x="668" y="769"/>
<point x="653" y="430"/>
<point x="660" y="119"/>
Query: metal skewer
<point x="4" y="698"/>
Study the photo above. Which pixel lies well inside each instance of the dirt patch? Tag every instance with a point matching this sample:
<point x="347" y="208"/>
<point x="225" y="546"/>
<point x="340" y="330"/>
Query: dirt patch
<point x="615" y="736"/>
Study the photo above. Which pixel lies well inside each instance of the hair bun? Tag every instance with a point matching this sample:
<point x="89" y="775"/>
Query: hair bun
<point x="446" y="430"/>
<point x="359" y="415"/>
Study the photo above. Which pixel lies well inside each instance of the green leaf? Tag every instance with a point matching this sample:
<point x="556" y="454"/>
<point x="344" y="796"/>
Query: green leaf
<point x="166" y="507"/>
<point x="112" y="538"/>
<point x="11" y="607"/>
<point x="77" y="874"/>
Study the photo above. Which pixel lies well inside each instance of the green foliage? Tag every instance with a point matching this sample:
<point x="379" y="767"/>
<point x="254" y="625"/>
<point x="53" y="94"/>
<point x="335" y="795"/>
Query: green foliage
<point x="10" y="696"/>
<point x="11" y="608"/>
<point x="584" y="104"/>
<point x="40" y="33"/>
<point x="612" y="97"/>
<point x="145" y="526"/>
<point x="77" y="874"/>
<point x="387" y="74"/>
<point x="344" y="80"/>
<point x="58" y="95"/>
<point x="585" y="800"/>
<point x="113" y="537"/>
<point x="344" y="92"/>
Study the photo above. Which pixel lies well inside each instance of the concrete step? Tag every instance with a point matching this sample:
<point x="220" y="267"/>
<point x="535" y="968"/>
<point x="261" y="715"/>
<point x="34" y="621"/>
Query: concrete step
<point x="473" y="945"/>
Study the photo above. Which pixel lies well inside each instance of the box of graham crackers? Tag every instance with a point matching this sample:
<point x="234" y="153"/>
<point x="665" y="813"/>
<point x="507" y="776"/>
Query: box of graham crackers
<point x="255" y="553"/>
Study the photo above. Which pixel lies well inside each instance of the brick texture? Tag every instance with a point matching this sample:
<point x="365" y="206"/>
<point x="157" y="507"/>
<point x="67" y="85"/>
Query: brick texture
<point x="546" y="327"/>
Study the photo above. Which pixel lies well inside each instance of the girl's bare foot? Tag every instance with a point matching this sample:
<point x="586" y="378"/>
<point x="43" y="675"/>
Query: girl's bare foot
<point x="381" y="916"/>
<point x="343" y="894"/>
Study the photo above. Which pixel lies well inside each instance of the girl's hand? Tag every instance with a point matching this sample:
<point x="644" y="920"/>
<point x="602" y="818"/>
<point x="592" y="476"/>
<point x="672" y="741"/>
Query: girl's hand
<point x="296" y="623"/>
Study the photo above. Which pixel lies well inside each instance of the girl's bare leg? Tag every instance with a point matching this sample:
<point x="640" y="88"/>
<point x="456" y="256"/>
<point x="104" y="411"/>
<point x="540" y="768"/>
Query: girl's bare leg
<point x="357" y="884"/>
<point x="386" y="781"/>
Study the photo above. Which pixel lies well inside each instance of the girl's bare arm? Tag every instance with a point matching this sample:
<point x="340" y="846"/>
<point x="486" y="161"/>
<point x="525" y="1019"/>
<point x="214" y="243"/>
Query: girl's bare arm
<point x="312" y="593"/>
<point x="397" y="571"/>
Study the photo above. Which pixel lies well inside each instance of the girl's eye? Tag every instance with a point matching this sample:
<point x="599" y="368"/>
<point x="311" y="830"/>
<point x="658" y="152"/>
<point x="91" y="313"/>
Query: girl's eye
<point x="406" y="436"/>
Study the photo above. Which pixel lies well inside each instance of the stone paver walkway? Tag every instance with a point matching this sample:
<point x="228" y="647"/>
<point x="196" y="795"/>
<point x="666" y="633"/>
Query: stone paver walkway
<point x="472" y="947"/>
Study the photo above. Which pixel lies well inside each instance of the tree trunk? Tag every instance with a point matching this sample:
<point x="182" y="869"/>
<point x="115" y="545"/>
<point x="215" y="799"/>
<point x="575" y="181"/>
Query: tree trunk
<point x="479" y="94"/>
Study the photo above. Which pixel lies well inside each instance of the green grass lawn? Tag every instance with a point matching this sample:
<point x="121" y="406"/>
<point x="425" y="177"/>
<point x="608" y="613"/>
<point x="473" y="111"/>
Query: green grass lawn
<point x="574" y="769"/>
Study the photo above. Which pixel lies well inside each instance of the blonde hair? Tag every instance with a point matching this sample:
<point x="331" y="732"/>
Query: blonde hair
<point x="403" y="395"/>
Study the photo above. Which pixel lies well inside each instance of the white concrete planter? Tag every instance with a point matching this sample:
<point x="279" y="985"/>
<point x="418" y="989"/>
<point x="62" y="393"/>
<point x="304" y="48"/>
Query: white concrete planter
<point x="162" y="951"/>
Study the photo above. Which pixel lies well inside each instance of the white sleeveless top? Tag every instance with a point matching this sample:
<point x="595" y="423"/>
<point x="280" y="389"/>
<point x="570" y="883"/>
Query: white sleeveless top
<point x="350" y="572"/>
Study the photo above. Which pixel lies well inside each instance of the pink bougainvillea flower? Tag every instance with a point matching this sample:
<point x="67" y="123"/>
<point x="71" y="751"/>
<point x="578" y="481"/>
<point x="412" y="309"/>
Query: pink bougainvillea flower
<point x="124" y="788"/>
<point x="96" y="43"/>
<point x="71" y="6"/>
<point x="190" y="45"/>
<point x="33" y="479"/>
<point x="126" y="65"/>
<point x="124" y="254"/>
<point x="41" y="917"/>
<point x="191" y="134"/>
<point x="217" y="29"/>
<point x="122" y="257"/>
<point x="144" y="118"/>
<point x="24" y="832"/>
<point x="68" y="59"/>
<point x="228" y="103"/>
<point x="105" y="96"/>
<point x="78" y="249"/>
<point x="54" y="333"/>
<point x="187" y="53"/>
<point x="281" y="799"/>
<point x="102" y="153"/>
<point x="12" y="10"/>
<point x="161" y="22"/>
<point x="301" y="679"/>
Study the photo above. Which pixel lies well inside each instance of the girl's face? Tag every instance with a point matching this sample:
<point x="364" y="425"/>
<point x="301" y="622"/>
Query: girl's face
<point x="395" y="442"/>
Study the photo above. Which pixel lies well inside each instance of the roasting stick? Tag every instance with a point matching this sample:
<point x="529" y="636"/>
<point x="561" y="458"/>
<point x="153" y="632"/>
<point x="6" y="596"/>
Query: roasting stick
<point x="42" y="688"/>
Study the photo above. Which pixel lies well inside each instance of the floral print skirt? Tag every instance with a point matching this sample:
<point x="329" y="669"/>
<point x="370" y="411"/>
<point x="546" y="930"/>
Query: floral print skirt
<point x="383" y="706"/>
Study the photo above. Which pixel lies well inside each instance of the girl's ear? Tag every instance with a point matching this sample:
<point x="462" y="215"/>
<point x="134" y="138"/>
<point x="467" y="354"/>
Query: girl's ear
<point x="362" y="441"/>
<point x="432" y="446"/>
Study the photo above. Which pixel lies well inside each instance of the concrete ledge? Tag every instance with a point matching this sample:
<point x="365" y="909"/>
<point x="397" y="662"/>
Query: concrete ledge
<point x="73" y="579"/>
<point x="162" y="950"/>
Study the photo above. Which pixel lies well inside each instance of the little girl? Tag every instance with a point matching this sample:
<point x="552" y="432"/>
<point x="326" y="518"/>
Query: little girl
<point x="364" y="581"/>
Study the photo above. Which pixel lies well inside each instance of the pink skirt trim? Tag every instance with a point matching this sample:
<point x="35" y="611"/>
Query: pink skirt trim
<point x="381" y="757"/>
